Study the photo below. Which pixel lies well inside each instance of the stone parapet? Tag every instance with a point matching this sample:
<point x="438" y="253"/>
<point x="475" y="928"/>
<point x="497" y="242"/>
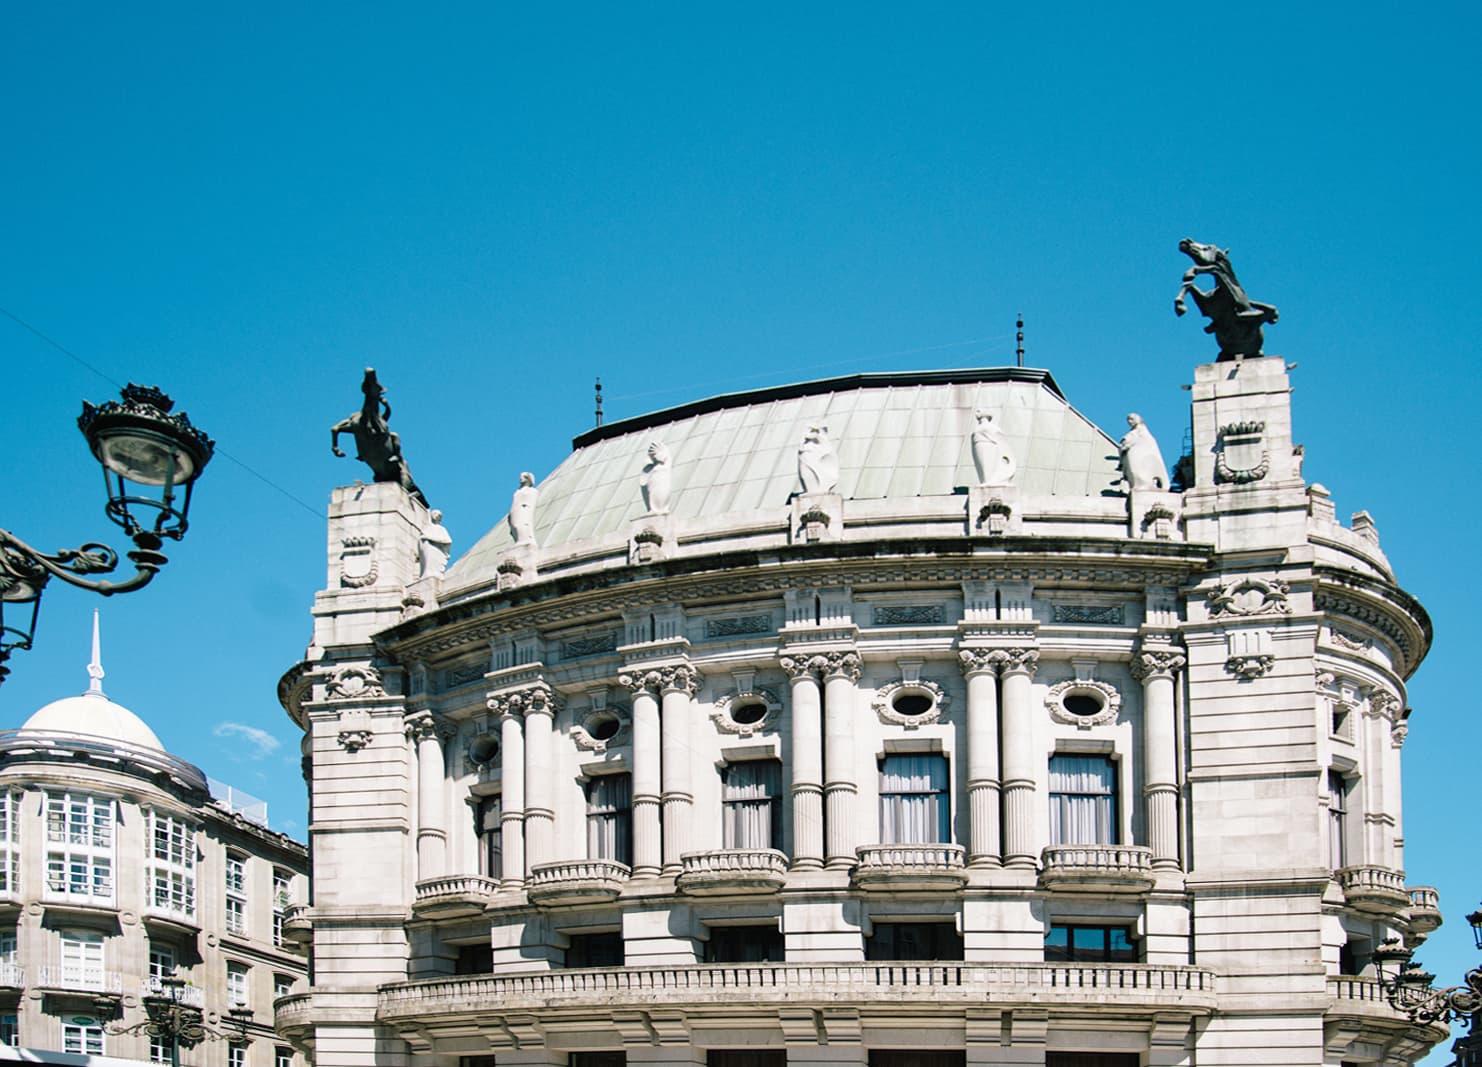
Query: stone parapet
<point x="938" y="867"/>
<point x="1098" y="868"/>
<point x="1378" y="890"/>
<point x="732" y="870"/>
<point x="576" y="882"/>
<point x="454" y="895"/>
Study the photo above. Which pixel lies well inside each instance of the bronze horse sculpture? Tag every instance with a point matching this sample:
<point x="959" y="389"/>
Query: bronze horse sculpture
<point x="375" y="444"/>
<point x="1234" y="318"/>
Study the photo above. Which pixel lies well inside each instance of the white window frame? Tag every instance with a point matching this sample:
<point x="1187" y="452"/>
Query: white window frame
<point x="1064" y="802"/>
<point x="10" y="844"/>
<point x="82" y="959"/>
<point x="236" y="893"/>
<point x="80" y="846"/>
<point x="750" y="809"/>
<point x="83" y="1038"/>
<point x="238" y="984"/>
<point x="898" y="826"/>
<point x="171" y="875"/>
<point x="236" y="1054"/>
<point x="282" y="897"/>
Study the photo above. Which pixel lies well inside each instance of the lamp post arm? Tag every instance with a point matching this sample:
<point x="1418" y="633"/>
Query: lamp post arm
<point x="23" y="567"/>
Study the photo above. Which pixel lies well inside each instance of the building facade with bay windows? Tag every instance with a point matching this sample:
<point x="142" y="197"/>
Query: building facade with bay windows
<point x="888" y="720"/>
<point x="118" y="868"/>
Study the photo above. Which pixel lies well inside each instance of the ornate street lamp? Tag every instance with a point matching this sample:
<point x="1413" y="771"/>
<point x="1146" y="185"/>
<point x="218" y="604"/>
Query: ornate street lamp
<point x="150" y="460"/>
<point x="1408" y="988"/>
<point x="168" y="1014"/>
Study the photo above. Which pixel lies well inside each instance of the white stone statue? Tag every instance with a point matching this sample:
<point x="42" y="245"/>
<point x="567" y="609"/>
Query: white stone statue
<point x="1142" y="463"/>
<point x="522" y="510"/>
<point x="657" y="480"/>
<point x="435" y="546"/>
<point x="818" y="464"/>
<point x="994" y="462"/>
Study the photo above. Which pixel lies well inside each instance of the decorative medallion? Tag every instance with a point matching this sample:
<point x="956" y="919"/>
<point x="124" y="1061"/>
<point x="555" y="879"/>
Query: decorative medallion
<point x="910" y="703"/>
<point x="747" y="713"/>
<point x="1240" y="458"/>
<point x="352" y="682"/>
<point x="1083" y="703"/>
<point x="1250" y="596"/>
<point x="358" y="565"/>
<point x="1159" y="519"/>
<point x="1247" y="667"/>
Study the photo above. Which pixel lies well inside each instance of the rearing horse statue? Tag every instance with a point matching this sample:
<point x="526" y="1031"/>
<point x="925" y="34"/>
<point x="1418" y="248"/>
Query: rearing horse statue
<point x="375" y="445"/>
<point x="1234" y="318"/>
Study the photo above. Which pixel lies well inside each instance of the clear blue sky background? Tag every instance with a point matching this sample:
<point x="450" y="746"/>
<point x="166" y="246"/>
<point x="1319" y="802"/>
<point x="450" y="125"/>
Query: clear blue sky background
<point x="493" y="205"/>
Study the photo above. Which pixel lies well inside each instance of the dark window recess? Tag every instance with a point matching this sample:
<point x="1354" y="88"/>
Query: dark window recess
<point x="744" y="944"/>
<point x="474" y="959"/>
<point x="748" y="712"/>
<point x="595" y="950"/>
<point x="1090" y="944"/>
<point x="1349" y="961"/>
<point x="1092" y="1059"/>
<point x="901" y="1058"/>
<point x="746" y="1057"/>
<point x="597" y="1059"/>
<point x="476" y="1061"/>
<point x="914" y="941"/>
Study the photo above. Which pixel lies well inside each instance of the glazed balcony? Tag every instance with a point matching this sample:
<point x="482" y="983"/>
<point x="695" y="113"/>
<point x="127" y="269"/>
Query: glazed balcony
<point x="890" y="988"/>
<point x="1097" y="868"/>
<point x="1425" y="909"/>
<point x="189" y="995"/>
<point x="454" y="896"/>
<point x="73" y="979"/>
<point x="934" y="867"/>
<point x="297" y="926"/>
<point x="730" y="871"/>
<point x="12" y="976"/>
<point x="576" y="882"/>
<point x="1376" y="890"/>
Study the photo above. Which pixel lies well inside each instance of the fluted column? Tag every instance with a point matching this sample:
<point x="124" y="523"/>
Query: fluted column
<point x="680" y="685"/>
<point x="647" y="858"/>
<point x="539" y="706"/>
<point x="1019" y="770"/>
<point x="839" y="770"/>
<point x="423" y="729"/>
<point x="980" y="666"/>
<point x="1155" y="666"/>
<point x="807" y="764"/>
<point x="512" y="796"/>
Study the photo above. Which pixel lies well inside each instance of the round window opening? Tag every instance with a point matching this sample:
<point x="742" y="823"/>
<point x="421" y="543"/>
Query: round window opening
<point x="484" y="748"/>
<point x="912" y="704"/>
<point x="1083" y="705"/>
<point x="749" y="712"/>
<point x="603" y="727"/>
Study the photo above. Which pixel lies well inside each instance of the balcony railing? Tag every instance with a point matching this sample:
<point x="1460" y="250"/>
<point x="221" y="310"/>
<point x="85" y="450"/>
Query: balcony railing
<point x="1425" y="909"/>
<point x="576" y="882"/>
<point x="297" y="926"/>
<point x="732" y="870"/>
<point x="1109" y="987"/>
<point x="1378" y="890"/>
<point x="93" y="980"/>
<point x="938" y="867"/>
<point x="1098" y="868"/>
<point x="454" y="895"/>
<point x="189" y="995"/>
<point x="12" y="975"/>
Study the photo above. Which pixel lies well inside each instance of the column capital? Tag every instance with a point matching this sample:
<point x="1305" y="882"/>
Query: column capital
<point x="670" y="678"/>
<point x="841" y="665"/>
<point x="423" y="725"/>
<point x="1020" y="660"/>
<point x="981" y="660"/>
<point x="837" y="664"/>
<point x="538" y="699"/>
<point x="1157" y="662"/>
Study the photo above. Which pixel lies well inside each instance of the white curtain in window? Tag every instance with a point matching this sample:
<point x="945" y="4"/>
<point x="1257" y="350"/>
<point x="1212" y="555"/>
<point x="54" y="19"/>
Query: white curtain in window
<point x="609" y="812"/>
<point x="748" y="792"/>
<point x="913" y="799"/>
<point x="1083" y="800"/>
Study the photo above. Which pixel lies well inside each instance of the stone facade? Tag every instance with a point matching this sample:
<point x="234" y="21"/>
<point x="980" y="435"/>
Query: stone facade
<point x="905" y="770"/>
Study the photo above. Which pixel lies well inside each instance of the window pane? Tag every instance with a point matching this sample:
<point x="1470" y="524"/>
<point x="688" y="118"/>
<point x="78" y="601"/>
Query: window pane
<point x="1083" y="802"/>
<point x="914" y="807"/>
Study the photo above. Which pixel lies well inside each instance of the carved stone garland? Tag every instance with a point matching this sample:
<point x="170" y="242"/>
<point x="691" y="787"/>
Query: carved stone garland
<point x="351" y="682"/>
<point x="1250" y="596"/>
<point x="1250" y="665"/>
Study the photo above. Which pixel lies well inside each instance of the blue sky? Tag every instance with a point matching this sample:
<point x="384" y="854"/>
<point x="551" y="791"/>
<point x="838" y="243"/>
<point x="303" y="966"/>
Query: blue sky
<point x="495" y="204"/>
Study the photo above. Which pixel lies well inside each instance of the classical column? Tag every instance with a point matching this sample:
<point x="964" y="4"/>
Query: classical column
<point x="538" y="704"/>
<point x="839" y="786"/>
<point x="646" y="836"/>
<point x="424" y="730"/>
<point x="807" y="763"/>
<point x="1019" y="770"/>
<point x="512" y="791"/>
<point x="680" y="684"/>
<point x="980" y="666"/>
<point x="1154" y="667"/>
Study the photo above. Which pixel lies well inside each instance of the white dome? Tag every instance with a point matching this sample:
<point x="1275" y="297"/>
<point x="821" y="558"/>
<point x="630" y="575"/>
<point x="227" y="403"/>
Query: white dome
<point x="93" y="715"/>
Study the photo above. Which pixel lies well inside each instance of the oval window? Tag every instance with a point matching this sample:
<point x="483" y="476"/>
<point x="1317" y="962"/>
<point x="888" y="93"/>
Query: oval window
<point x="484" y="748"/>
<point x="603" y="727"/>
<point x="752" y="711"/>
<point x="912" y="704"/>
<point x="1083" y="704"/>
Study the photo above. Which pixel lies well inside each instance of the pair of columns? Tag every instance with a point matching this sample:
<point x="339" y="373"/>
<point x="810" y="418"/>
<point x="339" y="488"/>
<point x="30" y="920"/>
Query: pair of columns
<point x="663" y="797"/>
<point x="823" y="771"/>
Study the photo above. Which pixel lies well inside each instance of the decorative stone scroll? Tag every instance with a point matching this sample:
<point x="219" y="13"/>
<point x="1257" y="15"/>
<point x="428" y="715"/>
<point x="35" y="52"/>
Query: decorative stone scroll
<point x="1250" y="665"/>
<point x="1250" y="596"/>
<point x="889" y="695"/>
<point x="352" y="682"/>
<point x="355" y="730"/>
<point x="1150" y="663"/>
<point x="1102" y="693"/>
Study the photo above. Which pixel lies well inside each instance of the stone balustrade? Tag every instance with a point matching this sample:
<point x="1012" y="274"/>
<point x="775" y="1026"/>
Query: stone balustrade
<point x="1098" y="868"/>
<point x="189" y="995"/>
<point x="297" y="926"/>
<point x="893" y="867"/>
<point x="1425" y="909"/>
<point x="293" y="1015"/>
<point x="576" y="882"/>
<point x="94" y="980"/>
<point x="1114" y="988"/>
<point x="732" y="870"/>
<point x="1363" y="1001"/>
<point x="1377" y="890"/>
<point x="454" y="895"/>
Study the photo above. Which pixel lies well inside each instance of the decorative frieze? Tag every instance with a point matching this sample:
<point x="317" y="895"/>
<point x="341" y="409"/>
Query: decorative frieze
<point x="740" y="626"/>
<point x="597" y="644"/>
<point x="456" y="676"/>
<point x="909" y="615"/>
<point x="1088" y="614"/>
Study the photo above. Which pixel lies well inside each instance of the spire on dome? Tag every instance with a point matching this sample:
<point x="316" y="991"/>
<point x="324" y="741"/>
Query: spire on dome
<point x="95" y="668"/>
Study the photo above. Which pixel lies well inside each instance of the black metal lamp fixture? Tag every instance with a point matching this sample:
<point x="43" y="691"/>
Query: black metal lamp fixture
<point x="170" y="1015"/>
<point x="150" y="459"/>
<point x="1408" y="987"/>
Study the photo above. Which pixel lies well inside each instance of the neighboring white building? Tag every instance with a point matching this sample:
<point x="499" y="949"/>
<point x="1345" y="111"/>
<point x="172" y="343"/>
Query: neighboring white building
<point x="117" y="868"/>
<point x="843" y="724"/>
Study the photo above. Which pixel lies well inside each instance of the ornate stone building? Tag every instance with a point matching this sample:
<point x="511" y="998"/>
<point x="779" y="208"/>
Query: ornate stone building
<point x="117" y="869"/>
<point x="897" y="719"/>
